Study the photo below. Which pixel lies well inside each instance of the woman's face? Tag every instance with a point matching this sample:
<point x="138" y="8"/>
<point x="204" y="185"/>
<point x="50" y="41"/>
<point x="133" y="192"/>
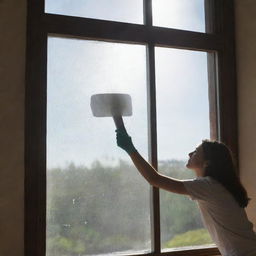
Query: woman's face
<point x="196" y="159"/>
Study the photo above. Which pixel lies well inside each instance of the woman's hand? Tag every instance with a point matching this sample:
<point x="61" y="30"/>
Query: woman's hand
<point x="124" y="141"/>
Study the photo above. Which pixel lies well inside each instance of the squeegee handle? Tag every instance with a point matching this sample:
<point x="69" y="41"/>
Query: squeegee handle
<point x="119" y="122"/>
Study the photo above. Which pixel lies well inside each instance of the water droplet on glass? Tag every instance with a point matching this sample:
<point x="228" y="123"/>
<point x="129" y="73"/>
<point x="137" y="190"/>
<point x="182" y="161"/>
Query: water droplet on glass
<point x="66" y="225"/>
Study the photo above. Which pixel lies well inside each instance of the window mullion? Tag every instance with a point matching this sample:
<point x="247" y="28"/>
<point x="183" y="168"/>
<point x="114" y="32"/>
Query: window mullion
<point x="147" y="8"/>
<point x="154" y="192"/>
<point x="155" y="207"/>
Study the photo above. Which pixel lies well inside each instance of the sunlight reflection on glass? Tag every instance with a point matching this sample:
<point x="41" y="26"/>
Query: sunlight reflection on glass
<point x="115" y="10"/>
<point x="179" y="14"/>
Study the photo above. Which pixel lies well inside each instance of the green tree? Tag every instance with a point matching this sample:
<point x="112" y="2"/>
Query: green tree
<point x="190" y="238"/>
<point x="103" y="208"/>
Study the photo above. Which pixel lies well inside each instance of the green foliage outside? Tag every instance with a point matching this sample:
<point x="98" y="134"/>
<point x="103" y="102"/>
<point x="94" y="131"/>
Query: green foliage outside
<point x="194" y="237"/>
<point x="103" y="209"/>
<point x="178" y="213"/>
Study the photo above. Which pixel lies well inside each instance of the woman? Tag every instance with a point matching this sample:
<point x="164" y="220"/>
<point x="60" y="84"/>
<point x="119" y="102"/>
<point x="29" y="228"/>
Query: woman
<point x="217" y="189"/>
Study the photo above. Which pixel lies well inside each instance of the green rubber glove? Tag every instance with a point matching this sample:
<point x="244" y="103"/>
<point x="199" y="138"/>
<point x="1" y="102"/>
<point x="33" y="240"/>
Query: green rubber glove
<point x="124" y="141"/>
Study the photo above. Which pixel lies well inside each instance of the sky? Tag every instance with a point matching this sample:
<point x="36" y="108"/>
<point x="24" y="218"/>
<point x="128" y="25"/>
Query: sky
<point x="77" y="69"/>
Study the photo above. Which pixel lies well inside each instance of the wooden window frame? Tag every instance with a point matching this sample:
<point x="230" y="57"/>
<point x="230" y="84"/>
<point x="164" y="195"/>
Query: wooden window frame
<point x="218" y="42"/>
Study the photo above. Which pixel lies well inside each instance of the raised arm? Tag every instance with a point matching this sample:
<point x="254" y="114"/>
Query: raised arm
<point x="147" y="171"/>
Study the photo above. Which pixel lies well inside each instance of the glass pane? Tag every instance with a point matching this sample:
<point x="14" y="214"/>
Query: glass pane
<point x="179" y="14"/>
<point x="130" y="11"/>
<point x="97" y="202"/>
<point x="182" y="123"/>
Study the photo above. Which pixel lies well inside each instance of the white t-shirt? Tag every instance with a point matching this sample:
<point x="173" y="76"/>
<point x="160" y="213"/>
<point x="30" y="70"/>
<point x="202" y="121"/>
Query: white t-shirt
<point x="225" y="220"/>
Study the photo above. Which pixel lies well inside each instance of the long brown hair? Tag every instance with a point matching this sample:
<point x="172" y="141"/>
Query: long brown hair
<point x="220" y="166"/>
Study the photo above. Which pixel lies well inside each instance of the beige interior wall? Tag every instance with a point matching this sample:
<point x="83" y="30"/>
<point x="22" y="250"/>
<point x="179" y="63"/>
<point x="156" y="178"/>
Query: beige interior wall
<point x="245" y="11"/>
<point x="12" y="89"/>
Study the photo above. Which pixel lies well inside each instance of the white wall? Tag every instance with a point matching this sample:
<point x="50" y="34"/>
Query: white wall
<point x="245" y="11"/>
<point x="12" y="90"/>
